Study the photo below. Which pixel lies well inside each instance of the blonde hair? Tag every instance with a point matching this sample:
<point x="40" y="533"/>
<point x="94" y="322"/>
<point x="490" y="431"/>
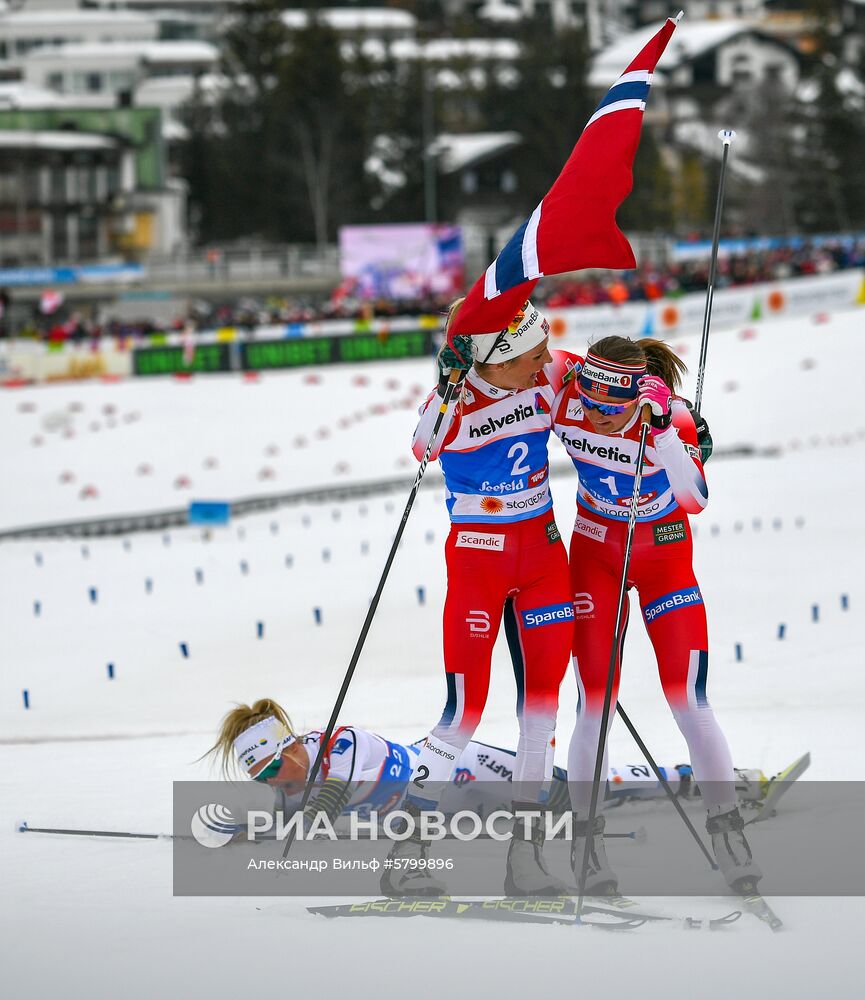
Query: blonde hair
<point x="237" y="721"/>
<point x="659" y="359"/>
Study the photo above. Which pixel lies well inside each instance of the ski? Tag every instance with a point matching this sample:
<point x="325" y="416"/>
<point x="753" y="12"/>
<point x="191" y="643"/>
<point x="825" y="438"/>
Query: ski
<point x="557" y="911"/>
<point x="756" y="905"/>
<point x="627" y="907"/>
<point x="550" y="911"/>
<point x="778" y="786"/>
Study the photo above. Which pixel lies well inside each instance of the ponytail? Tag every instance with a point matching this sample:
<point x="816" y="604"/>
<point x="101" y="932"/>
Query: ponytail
<point x="237" y="721"/>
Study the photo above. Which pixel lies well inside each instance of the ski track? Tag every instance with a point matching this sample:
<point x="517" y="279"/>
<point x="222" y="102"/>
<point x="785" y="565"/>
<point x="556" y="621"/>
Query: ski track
<point x="781" y="534"/>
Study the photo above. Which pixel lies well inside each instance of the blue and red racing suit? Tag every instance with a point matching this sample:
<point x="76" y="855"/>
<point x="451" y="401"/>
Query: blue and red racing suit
<point x="673" y="486"/>
<point x="505" y="556"/>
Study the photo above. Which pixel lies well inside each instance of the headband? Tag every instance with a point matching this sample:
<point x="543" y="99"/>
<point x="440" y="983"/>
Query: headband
<point x="610" y="378"/>
<point x="527" y="329"/>
<point x="265" y="739"/>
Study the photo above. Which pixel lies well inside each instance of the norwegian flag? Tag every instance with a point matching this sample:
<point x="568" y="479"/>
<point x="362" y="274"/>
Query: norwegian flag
<point x="575" y="224"/>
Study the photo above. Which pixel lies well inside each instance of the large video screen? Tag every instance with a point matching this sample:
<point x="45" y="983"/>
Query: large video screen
<point x="410" y="261"/>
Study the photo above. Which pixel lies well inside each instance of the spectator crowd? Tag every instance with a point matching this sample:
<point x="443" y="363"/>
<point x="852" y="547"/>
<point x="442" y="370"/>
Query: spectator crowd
<point x="644" y="284"/>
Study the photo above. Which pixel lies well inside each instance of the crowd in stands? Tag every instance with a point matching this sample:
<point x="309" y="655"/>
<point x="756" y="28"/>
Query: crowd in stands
<point x="646" y="283"/>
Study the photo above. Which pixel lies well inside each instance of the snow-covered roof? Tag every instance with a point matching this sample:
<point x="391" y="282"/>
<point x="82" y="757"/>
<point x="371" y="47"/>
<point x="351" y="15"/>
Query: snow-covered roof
<point x="457" y="151"/>
<point x="355" y="19"/>
<point x="498" y="10"/>
<point x="161" y="52"/>
<point x="27" y="139"/>
<point x="689" y="41"/>
<point x="58" y="18"/>
<point x="24" y="95"/>
<point x="457" y="48"/>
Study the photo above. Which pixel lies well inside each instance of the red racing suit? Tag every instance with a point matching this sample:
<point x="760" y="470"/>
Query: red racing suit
<point x="661" y="571"/>
<point x="505" y="557"/>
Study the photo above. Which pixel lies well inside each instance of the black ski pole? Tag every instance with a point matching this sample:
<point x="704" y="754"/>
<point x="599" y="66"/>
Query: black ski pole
<point x="666" y="785"/>
<point x="24" y="827"/>
<point x="355" y="656"/>
<point x="726" y="136"/>
<point x="645" y="417"/>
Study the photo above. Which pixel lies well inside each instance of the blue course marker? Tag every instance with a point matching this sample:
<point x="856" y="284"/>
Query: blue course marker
<point x="38" y="557"/>
<point x="259" y="629"/>
<point x="26" y="695"/>
<point x="738" y="652"/>
<point x="316" y="614"/>
<point x="111" y="671"/>
<point x="244" y="567"/>
<point x="208" y="512"/>
<point x="37" y="608"/>
<point x="325" y="555"/>
<point x="184" y="650"/>
<point x="421" y="595"/>
<point x="815" y="612"/>
<point x="199" y="576"/>
<point x="845" y="602"/>
<point x="148" y="586"/>
<point x="289" y="561"/>
<point x="782" y="629"/>
<point x="94" y="596"/>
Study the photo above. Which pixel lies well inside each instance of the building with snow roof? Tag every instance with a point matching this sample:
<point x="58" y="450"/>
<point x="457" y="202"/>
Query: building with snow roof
<point x="703" y="58"/>
<point x="101" y="75"/>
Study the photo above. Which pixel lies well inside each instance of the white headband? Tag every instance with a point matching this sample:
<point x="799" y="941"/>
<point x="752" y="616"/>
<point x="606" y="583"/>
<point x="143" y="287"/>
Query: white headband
<point x="262" y="740"/>
<point x="530" y="328"/>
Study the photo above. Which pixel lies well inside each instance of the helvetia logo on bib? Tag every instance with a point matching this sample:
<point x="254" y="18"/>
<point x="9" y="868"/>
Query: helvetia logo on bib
<point x="213" y="825"/>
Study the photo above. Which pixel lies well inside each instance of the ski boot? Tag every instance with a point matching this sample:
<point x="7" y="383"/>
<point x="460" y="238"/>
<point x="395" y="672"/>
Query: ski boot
<point x="527" y="873"/>
<point x="601" y="880"/>
<point x="732" y="851"/>
<point x="412" y="880"/>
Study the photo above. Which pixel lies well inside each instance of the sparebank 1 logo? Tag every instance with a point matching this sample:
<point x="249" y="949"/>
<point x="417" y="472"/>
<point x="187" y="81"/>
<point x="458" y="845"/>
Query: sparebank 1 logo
<point x="213" y="825"/>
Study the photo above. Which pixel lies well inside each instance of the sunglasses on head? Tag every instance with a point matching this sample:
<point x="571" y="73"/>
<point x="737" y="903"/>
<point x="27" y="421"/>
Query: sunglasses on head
<point x="608" y="409"/>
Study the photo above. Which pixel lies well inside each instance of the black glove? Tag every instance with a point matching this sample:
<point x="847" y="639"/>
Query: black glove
<point x="704" y="436"/>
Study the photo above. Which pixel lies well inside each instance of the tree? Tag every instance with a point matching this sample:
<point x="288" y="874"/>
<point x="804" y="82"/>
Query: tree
<point x="279" y="153"/>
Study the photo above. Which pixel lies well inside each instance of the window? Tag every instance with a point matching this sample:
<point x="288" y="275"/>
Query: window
<point x="93" y="83"/>
<point x="55" y="81"/>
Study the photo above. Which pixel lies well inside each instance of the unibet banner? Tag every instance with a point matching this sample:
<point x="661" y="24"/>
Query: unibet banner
<point x="290" y="352"/>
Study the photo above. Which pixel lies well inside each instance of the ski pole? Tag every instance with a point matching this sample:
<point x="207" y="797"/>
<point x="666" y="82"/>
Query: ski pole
<point x="355" y="656"/>
<point x="666" y="785"/>
<point x="645" y="417"/>
<point x="726" y="136"/>
<point x="23" y="827"/>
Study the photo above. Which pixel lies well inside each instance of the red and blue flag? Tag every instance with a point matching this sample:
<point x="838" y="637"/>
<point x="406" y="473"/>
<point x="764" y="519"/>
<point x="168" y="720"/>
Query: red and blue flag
<point x="574" y="226"/>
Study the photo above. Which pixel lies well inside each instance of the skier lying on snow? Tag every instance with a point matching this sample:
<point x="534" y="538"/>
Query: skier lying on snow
<point x="259" y="738"/>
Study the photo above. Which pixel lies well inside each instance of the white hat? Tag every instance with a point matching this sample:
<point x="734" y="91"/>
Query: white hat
<point x="528" y="329"/>
<point x="260" y="741"/>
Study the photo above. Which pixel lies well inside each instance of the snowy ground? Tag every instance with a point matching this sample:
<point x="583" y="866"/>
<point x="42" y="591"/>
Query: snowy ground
<point x="781" y="534"/>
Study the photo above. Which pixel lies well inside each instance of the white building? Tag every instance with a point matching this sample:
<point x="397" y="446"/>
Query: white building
<point x="24" y="31"/>
<point x="61" y="194"/>
<point x="728" y="55"/>
<point x="101" y="75"/>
